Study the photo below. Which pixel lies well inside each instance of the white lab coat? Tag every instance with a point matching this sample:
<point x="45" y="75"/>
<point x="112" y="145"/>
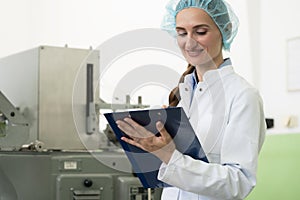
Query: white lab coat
<point x="227" y="115"/>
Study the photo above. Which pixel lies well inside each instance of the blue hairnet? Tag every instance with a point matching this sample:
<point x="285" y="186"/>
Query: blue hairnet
<point x="220" y="11"/>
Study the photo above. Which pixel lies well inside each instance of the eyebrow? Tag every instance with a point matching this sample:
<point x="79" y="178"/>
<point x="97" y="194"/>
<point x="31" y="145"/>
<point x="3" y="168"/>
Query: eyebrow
<point x="195" y="27"/>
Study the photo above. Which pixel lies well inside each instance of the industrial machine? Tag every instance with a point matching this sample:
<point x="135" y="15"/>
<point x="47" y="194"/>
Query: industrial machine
<point x="51" y="147"/>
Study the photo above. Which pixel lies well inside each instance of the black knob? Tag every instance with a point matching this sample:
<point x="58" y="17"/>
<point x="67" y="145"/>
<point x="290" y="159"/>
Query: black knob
<point x="87" y="183"/>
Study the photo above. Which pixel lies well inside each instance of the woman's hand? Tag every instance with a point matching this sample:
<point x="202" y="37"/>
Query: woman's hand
<point x="162" y="146"/>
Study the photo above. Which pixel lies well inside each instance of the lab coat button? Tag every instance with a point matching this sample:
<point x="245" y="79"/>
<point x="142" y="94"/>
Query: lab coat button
<point x="186" y="89"/>
<point x="200" y="89"/>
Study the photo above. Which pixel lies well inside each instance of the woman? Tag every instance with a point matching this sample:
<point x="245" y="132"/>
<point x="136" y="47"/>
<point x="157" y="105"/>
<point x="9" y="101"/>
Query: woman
<point x="225" y="111"/>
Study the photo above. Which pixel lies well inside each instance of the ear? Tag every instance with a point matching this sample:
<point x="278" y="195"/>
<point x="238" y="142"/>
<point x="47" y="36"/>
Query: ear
<point x="228" y="29"/>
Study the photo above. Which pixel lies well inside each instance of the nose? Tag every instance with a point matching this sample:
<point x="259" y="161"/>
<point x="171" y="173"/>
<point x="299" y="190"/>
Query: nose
<point x="191" y="43"/>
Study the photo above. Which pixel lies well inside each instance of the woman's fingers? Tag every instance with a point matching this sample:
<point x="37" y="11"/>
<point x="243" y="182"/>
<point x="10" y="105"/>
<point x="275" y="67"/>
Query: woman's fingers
<point x="132" y="128"/>
<point x="132" y="142"/>
<point x="125" y="127"/>
<point x="140" y="130"/>
<point x="138" y="134"/>
<point x="167" y="140"/>
<point x="140" y="137"/>
<point x="163" y="132"/>
<point x="161" y="128"/>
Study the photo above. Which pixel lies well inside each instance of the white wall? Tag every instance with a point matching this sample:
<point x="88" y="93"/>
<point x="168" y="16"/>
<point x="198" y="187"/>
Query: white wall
<point x="29" y="23"/>
<point x="279" y="22"/>
<point x="241" y="53"/>
<point x="80" y="23"/>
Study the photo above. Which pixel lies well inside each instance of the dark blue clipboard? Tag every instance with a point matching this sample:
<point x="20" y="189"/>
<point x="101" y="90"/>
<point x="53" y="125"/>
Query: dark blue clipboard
<point x="145" y="165"/>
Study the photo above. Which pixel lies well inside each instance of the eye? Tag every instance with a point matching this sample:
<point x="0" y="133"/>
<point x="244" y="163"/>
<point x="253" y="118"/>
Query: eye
<point x="201" y="32"/>
<point x="181" y="33"/>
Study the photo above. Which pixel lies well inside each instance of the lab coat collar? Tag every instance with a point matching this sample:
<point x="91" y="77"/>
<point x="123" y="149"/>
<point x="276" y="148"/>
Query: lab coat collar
<point x="226" y="62"/>
<point x="211" y="76"/>
<point x="209" y="79"/>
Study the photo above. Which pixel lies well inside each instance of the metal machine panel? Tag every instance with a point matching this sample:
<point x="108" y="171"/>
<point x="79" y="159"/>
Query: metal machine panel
<point x="19" y="83"/>
<point x="65" y="175"/>
<point x="84" y="186"/>
<point x="58" y="71"/>
<point x="131" y="188"/>
<point x="50" y="143"/>
<point x="40" y="82"/>
<point x="29" y="174"/>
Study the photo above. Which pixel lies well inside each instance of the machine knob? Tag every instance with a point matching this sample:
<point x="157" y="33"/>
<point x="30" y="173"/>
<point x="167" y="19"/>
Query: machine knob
<point x="87" y="183"/>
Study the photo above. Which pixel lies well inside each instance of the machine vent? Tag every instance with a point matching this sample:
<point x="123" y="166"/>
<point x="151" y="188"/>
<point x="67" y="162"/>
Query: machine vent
<point x="86" y="194"/>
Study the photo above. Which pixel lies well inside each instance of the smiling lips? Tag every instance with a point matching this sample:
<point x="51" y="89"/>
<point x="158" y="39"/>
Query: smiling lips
<point x="195" y="52"/>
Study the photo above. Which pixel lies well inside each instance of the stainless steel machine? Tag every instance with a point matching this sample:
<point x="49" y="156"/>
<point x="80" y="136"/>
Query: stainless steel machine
<point x="51" y="146"/>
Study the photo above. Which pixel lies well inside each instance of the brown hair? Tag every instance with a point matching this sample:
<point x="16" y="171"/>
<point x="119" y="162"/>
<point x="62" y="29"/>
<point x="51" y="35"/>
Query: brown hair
<point x="174" y="96"/>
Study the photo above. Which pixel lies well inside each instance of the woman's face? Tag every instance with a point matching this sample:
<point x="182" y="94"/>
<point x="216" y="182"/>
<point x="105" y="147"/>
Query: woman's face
<point x="199" y="37"/>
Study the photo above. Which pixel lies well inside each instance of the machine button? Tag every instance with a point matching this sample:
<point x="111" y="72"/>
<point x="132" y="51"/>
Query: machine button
<point x="87" y="183"/>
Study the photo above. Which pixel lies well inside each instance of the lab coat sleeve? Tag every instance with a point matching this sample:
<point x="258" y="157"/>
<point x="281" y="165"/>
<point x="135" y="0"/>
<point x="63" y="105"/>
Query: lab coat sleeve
<point x="235" y="176"/>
